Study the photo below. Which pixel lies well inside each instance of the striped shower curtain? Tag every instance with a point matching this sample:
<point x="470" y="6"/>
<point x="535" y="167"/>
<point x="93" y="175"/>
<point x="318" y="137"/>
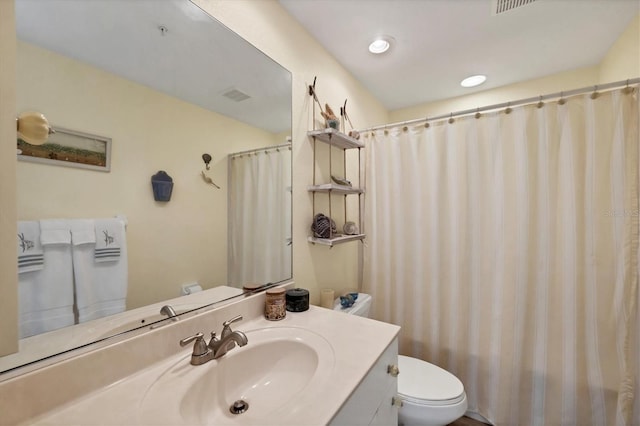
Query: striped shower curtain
<point x="506" y="246"/>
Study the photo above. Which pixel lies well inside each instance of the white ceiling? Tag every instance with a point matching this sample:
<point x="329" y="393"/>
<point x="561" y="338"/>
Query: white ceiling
<point x="197" y="60"/>
<point x="437" y="43"/>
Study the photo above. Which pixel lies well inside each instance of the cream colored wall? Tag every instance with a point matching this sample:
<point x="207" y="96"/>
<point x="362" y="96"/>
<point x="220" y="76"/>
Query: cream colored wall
<point x="623" y="59"/>
<point x="621" y="62"/>
<point x="8" y="268"/>
<point x="171" y="243"/>
<point x="541" y="86"/>
<point x="271" y="29"/>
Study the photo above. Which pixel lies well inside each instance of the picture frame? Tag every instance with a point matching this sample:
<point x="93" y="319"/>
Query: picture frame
<point x="69" y="148"/>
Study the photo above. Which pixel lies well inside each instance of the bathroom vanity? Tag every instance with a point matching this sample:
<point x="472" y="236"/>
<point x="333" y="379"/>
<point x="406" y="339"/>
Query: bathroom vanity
<point x="313" y="367"/>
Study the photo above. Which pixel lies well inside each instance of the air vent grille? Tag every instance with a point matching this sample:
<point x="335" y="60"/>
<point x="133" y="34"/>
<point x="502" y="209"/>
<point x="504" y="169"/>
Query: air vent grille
<point x="236" y="95"/>
<point x="502" y="6"/>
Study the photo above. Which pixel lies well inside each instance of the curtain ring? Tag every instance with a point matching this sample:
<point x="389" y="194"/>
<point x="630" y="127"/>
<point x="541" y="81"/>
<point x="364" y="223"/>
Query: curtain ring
<point x="477" y="114"/>
<point x="595" y="93"/>
<point x="562" y="100"/>
<point x="405" y="128"/>
<point x="426" y="123"/>
<point x="540" y="104"/>
<point x="628" y="90"/>
<point x="508" y="109"/>
<point x="451" y="120"/>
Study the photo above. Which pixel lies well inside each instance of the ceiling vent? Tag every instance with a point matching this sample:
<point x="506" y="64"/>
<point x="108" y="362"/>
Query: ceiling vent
<point x="236" y="95"/>
<point x="501" y="6"/>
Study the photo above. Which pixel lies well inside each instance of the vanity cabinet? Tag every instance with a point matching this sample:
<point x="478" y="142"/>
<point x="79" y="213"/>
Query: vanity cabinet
<point x="336" y="139"/>
<point x="372" y="402"/>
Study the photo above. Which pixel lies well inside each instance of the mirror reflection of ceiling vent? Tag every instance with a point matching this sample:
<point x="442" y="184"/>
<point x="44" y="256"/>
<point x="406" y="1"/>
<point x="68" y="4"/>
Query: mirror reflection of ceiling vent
<point x="501" y="6"/>
<point x="236" y="95"/>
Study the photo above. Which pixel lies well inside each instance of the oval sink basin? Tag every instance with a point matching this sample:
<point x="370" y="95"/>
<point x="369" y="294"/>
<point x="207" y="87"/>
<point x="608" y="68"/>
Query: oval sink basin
<point x="268" y="374"/>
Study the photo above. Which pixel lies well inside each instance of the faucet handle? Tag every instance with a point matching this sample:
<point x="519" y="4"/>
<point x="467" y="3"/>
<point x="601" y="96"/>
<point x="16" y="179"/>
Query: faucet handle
<point x="226" y="327"/>
<point x="231" y="321"/>
<point x="226" y="330"/>
<point x="199" y="347"/>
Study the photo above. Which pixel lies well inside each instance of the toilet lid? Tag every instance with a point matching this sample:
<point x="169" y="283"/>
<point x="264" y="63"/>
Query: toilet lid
<point x="422" y="382"/>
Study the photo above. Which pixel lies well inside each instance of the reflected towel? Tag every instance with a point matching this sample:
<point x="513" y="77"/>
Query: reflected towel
<point x="82" y="231"/>
<point x="46" y="296"/>
<point x="30" y="255"/>
<point x="109" y="233"/>
<point x="101" y="287"/>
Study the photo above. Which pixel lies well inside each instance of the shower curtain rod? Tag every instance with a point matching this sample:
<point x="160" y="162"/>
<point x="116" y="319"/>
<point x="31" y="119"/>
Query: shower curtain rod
<point x="594" y="88"/>
<point x="256" y="150"/>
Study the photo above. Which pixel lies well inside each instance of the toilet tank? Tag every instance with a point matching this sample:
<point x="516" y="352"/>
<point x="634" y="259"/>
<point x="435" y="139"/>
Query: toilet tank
<point x="361" y="307"/>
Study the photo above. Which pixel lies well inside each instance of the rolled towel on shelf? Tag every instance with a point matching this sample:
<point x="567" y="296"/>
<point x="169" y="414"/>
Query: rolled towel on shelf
<point x="30" y="254"/>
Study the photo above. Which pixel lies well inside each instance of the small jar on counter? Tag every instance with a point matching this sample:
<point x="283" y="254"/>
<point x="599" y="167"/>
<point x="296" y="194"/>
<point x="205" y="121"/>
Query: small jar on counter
<point x="297" y="300"/>
<point x="275" y="304"/>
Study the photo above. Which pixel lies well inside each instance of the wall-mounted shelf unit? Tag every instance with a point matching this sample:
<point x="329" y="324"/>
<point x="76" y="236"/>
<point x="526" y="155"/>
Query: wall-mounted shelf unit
<point x="336" y="139"/>
<point x="338" y="239"/>
<point x="335" y="189"/>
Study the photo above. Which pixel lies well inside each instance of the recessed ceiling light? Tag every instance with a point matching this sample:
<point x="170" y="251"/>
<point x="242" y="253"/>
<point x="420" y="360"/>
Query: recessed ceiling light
<point x="474" y="80"/>
<point x="379" y="45"/>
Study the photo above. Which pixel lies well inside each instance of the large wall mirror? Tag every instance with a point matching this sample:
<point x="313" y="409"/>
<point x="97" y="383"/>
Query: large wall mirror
<point x="166" y="83"/>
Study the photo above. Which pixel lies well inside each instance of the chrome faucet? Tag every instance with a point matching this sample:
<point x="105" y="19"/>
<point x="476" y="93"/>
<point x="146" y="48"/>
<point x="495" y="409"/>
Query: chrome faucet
<point x="203" y="352"/>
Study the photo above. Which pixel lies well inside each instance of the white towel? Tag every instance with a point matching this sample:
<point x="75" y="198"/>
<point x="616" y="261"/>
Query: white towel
<point x="46" y="296"/>
<point x="30" y="255"/>
<point x="101" y="287"/>
<point x="108" y="237"/>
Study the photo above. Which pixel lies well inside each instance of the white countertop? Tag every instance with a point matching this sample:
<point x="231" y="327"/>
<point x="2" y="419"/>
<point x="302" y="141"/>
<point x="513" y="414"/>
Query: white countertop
<point x="43" y="345"/>
<point x="356" y="342"/>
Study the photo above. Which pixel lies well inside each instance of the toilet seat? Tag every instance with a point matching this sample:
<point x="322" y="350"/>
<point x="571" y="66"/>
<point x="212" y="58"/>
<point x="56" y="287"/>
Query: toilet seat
<point x="422" y="383"/>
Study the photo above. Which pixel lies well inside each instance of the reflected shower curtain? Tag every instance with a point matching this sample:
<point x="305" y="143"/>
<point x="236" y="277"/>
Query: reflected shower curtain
<point x="507" y="249"/>
<point x="260" y="216"/>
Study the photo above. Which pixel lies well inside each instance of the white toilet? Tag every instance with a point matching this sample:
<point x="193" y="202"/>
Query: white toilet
<point x="430" y="395"/>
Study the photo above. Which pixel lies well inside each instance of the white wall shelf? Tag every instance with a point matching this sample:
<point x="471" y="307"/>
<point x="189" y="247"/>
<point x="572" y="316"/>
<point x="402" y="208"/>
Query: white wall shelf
<point x="337" y="239"/>
<point x="335" y="138"/>
<point x="335" y="189"/>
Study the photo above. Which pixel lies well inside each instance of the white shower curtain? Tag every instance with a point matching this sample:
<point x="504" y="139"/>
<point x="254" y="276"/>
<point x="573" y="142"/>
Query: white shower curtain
<point x="260" y="216"/>
<point x="506" y="247"/>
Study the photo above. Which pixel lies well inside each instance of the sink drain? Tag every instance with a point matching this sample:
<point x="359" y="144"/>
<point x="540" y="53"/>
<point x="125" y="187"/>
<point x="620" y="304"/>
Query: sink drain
<point x="239" y="407"/>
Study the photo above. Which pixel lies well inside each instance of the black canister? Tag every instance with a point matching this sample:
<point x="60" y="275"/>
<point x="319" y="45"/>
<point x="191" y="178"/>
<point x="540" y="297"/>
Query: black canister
<point x="297" y="300"/>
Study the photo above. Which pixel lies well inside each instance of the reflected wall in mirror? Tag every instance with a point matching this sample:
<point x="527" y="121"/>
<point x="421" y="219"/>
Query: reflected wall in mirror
<point x="166" y="83"/>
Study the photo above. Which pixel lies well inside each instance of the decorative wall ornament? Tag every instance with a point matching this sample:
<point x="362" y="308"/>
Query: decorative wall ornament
<point x="69" y="148"/>
<point x="162" y="185"/>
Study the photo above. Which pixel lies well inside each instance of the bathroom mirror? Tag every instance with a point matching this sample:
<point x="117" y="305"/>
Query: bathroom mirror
<point x="166" y="83"/>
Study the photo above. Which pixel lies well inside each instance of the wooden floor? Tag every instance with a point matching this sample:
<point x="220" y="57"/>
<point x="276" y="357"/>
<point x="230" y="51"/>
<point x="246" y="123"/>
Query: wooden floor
<point x="466" y="421"/>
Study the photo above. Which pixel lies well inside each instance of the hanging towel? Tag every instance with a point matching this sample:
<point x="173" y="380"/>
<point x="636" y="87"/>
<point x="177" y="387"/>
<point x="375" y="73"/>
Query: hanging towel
<point x="30" y="255"/>
<point x="108" y="240"/>
<point x="45" y="296"/>
<point x="101" y="287"/>
<point x="83" y="232"/>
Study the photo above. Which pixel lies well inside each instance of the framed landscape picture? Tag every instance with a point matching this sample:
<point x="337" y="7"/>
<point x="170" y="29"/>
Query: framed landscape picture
<point x="71" y="149"/>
